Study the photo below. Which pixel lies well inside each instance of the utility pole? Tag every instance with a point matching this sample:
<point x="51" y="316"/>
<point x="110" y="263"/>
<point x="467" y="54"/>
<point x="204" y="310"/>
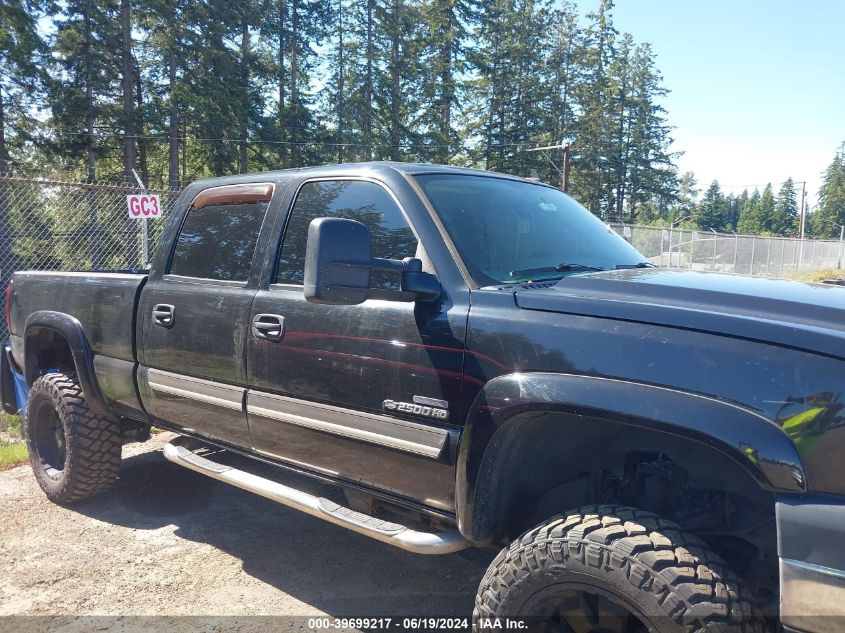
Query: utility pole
<point x="566" y="168"/>
<point x="803" y="211"/>
<point x="801" y="226"/>
<point x="564" y="173"/>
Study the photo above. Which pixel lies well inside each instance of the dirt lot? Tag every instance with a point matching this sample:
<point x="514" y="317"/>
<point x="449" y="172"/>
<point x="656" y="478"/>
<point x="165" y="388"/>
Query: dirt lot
<point x="170" y="542"/>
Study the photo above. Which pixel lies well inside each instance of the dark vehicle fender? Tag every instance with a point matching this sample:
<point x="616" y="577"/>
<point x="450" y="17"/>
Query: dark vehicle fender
<point x="758" y="445"/>
<point x="42" y="327"/>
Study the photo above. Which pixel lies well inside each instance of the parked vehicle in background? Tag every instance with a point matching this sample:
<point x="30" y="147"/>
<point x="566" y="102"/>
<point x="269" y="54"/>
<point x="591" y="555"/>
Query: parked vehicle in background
<point x="475" y="360"/>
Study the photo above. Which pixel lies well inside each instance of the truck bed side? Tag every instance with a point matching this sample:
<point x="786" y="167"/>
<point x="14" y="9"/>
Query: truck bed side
<point x="104" y="304"/>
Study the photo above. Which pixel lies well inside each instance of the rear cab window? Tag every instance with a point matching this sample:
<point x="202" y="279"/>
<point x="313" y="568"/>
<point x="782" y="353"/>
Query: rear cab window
<point x="220" y="231"/>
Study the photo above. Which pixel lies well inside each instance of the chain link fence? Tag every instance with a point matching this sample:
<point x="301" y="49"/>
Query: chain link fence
<point x="732" y="253"/>
<point x="58" y="225"/>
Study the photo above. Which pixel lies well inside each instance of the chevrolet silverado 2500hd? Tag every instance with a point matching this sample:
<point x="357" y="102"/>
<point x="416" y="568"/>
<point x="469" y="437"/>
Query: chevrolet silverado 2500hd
<point x="475" y="360"/>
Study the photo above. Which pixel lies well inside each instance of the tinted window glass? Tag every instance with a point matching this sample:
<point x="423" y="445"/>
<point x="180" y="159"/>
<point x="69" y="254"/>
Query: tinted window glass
<point x="365" y="202"/>
<point x="218" y="241"/>
<point x="510" y="231"/>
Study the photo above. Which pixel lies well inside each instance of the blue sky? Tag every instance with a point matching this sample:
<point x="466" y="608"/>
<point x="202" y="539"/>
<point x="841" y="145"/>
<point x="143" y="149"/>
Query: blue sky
<point x="757" y="87"/>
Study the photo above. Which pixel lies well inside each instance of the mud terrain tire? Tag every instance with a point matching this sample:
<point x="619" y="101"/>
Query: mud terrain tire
<point x="74" y="452"/>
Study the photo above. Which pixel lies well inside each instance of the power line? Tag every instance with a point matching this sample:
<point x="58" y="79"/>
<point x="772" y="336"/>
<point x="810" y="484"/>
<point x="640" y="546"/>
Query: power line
<point x="101" y="134"/>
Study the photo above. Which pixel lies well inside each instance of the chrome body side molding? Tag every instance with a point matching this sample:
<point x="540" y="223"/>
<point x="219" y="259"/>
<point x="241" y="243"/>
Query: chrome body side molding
<point x="368" y="427"/>
<point x="420" y="439"/>
<point x="208" y="391"/>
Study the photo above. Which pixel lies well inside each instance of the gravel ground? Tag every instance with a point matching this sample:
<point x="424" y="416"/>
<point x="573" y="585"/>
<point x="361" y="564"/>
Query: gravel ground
<point x="169" y="542"/>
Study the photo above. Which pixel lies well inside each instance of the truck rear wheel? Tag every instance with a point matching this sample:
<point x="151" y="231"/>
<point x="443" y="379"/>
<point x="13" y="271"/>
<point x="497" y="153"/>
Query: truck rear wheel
<point x="74" y="452"/>
<point x="613" y="569"/>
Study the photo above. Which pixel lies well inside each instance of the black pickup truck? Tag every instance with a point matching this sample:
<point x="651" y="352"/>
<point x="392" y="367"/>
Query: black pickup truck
<point x="474" y="360"/>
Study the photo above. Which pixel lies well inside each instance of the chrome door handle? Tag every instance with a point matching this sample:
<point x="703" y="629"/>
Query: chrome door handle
<point x="164" y="314"/>
<point x="268" y="326"/>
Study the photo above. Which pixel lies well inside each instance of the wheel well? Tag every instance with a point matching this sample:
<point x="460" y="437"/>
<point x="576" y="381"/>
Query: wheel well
<point x="46" y="349"/>
<point x="543" y="463"/>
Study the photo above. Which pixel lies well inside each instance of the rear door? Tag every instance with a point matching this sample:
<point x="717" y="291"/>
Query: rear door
<point x="193" y="314"/>
<point x="368" y="392"/>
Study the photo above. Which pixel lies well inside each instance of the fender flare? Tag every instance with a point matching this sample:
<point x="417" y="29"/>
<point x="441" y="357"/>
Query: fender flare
<point x="83" y="357"/>
<point x="757" y="444"/>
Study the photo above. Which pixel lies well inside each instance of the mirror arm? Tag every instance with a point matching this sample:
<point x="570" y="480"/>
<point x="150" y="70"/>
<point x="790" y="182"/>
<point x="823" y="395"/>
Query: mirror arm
<point x="425" y="287"/>
<point x="391" y="265"/>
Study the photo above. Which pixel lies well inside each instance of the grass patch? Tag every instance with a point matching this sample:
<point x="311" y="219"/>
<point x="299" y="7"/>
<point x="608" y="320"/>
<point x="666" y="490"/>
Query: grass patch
<point x="10" y="424"/>
<point x="822" y="275"/>
<point x="13" y="455"/>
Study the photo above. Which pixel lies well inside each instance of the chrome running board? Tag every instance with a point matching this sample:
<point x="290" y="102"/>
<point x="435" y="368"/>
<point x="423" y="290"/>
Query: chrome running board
<point x="391" y="533"/>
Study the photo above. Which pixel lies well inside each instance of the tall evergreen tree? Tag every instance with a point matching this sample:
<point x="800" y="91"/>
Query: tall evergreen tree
<point x="184" y="90"/>
<point x="784" y="220"/>
<point x="830" y="215"/>
<point x="685" y="198"/>
<point x="22" y="56"/>
<point x="751" y="220"/>
<point x="767" y="208"/>
<point x="565" y="60"/>
<point x="86" y="55"/>
<point x="592" y="151"/>
<point x="508" y="92"/>
<point x="445" y="52"/>
<point x="710" y="213"/>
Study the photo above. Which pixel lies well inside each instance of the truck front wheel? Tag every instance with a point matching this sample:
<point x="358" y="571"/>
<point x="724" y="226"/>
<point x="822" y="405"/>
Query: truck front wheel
<point x="74" y="452"/>
<point x="612" y="569"/>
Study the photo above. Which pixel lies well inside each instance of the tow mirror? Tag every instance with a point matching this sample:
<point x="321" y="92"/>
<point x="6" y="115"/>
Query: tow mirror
<point x="338" y="261"/>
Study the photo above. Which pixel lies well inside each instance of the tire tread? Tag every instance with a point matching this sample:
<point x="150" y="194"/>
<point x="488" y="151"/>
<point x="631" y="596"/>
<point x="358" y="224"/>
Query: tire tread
<point x="93" y="442"/>
<point x="656" y="556"/>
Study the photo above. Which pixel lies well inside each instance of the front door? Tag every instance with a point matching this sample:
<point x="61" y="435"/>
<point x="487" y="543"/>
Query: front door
<point x="193" y="318"/>
<point x="367" y="393"/>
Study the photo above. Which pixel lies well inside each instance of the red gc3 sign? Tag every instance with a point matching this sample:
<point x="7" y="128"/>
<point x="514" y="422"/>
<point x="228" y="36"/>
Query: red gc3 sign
<point x="143" y="206"/>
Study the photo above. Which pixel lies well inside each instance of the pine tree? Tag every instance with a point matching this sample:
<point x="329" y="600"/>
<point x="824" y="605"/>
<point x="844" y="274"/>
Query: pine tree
<point x="22" y="56"/>
<point x="508" y="93"/>
<point x="685" y="198"/>
<point x="86" y="55"/>
<point x="163" y="89"/>
<point x="751" y="215"/>
<point x="651" y="174"/>
<point x="784" y="219"/>
<point x="445" y="54"/>
<point x="565" y="60"/>
<point x="830" y="215"/>
<point x="590" y="175"/>
<point x="230" y="85"/>
<point x="767" y="209"/>
<point x="711" y="211"/>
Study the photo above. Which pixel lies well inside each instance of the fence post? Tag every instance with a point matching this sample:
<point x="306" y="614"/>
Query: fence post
<point x="93" y="229"/>
<point x="782" y="252"/>
<point x="841" y="246"/>
<point x="691" y="248"/>
<point x="753" y="247"/>
<point x="736" y="249"/>
<point x="715" y="246"/>
<point x="671" y="230"/>
<point x="769" y="257"/>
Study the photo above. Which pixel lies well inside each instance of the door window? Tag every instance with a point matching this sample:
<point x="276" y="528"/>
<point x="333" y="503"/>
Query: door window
<point x="365" y="202"/>
<point x="218" y="241"/>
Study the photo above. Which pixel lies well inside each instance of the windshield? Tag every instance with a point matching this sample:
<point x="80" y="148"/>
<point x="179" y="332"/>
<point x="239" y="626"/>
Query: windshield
<point x="510" y="231"/>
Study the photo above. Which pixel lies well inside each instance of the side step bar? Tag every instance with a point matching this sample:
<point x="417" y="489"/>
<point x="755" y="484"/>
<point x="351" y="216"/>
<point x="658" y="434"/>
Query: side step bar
<point x="384" y="531"/>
